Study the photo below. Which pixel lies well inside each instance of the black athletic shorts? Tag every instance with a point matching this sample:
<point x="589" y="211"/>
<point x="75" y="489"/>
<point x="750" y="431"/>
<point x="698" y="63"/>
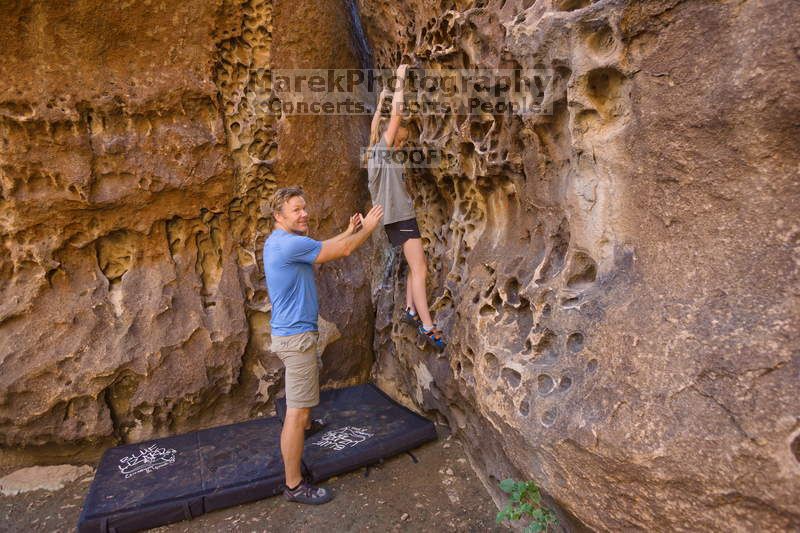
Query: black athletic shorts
<point x="400" y="232"/>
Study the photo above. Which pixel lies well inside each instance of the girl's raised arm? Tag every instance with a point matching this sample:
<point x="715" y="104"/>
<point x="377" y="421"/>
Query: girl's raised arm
<point x="397" y="105"/>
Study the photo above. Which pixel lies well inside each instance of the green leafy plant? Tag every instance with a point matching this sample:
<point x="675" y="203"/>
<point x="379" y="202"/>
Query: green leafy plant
<point x="525" y="502"/>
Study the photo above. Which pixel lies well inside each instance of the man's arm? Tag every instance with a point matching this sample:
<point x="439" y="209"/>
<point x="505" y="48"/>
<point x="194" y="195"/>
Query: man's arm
<point x="339" y="246"/>
<point x="352" y="227"/>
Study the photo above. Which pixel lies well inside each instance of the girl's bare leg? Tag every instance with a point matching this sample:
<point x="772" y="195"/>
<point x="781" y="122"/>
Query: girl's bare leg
<point x="409" y="296"/>
<point x="415" y="255"/>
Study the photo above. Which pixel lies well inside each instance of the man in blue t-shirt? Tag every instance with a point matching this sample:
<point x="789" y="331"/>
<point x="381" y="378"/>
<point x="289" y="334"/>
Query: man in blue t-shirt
<point x="288" y="258"/>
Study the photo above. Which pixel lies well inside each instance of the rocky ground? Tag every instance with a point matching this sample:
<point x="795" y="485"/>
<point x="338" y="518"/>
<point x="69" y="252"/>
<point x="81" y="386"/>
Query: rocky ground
<point x="440" y="492"/>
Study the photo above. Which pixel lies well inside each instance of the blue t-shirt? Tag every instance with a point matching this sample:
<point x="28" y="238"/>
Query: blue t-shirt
<point x="290" y="282"/>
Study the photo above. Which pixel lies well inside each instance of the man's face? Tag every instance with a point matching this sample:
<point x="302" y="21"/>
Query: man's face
<point x="293" y="216"/>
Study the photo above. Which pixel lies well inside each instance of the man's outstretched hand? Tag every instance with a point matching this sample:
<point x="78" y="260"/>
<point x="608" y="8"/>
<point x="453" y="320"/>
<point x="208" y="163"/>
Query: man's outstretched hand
<point x="346" y="243"/>
<point x="373" y="218"/>
<point x="355" y="224"/>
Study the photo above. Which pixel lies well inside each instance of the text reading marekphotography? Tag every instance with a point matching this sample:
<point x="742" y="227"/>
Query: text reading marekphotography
<point x="425" y="92"/>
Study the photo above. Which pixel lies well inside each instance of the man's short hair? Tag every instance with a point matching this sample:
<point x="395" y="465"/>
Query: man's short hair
<point x="280" y="197"/>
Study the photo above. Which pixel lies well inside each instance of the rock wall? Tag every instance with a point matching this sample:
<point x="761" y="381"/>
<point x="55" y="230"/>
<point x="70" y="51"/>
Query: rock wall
<point x="134" y="156"/>
<point x="618" y="278"/>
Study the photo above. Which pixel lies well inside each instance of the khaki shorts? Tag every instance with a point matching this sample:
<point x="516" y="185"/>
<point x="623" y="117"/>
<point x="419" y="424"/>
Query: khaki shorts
<point x="299" y="355"/>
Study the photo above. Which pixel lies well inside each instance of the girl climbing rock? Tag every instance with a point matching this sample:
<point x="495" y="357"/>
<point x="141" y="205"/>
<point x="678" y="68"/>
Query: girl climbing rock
<point x="387" y="188"/>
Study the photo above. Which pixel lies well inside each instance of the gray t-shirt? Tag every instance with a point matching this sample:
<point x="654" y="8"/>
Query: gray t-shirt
<point x="387" y="186"/>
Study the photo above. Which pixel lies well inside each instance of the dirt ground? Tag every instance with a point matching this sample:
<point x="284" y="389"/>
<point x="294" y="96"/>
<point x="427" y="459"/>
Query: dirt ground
<point x="440" y="493"/>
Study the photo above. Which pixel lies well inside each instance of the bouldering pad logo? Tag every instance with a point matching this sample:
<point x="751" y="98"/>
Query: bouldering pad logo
<point x="146" y="460"/>
<point x="346" y="437"/>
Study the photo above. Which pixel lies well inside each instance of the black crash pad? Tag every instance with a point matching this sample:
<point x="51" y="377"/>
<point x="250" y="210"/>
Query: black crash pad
<point x="145" y="485"/>
<point x="362" y="426"/>
<point x="139" y="486"/>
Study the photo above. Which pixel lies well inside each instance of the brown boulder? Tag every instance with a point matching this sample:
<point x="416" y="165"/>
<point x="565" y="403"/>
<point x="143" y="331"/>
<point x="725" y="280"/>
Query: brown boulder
<point x="618" y="278"/>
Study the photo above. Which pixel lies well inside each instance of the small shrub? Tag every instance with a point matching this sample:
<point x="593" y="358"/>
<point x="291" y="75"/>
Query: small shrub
<point x="525" y="503"/>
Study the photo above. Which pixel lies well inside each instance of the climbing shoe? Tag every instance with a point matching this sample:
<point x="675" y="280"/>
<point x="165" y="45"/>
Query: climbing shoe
<point x="433" y="336"/>
<point x="308" y="494"/>
<point x="317" y="424"/>
<point x="411" y="318"/>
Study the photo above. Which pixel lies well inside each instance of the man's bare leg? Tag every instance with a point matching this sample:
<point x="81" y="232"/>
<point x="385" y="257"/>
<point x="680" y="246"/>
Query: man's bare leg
<point x="292" y="437"/>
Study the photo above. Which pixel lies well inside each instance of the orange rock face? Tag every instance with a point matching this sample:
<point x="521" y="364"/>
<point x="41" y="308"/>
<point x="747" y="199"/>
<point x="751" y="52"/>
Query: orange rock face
<point x="132" y="171"/>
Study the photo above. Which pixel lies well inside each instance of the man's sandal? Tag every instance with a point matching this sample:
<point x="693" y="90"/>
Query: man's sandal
<point x="433" y="337"/>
